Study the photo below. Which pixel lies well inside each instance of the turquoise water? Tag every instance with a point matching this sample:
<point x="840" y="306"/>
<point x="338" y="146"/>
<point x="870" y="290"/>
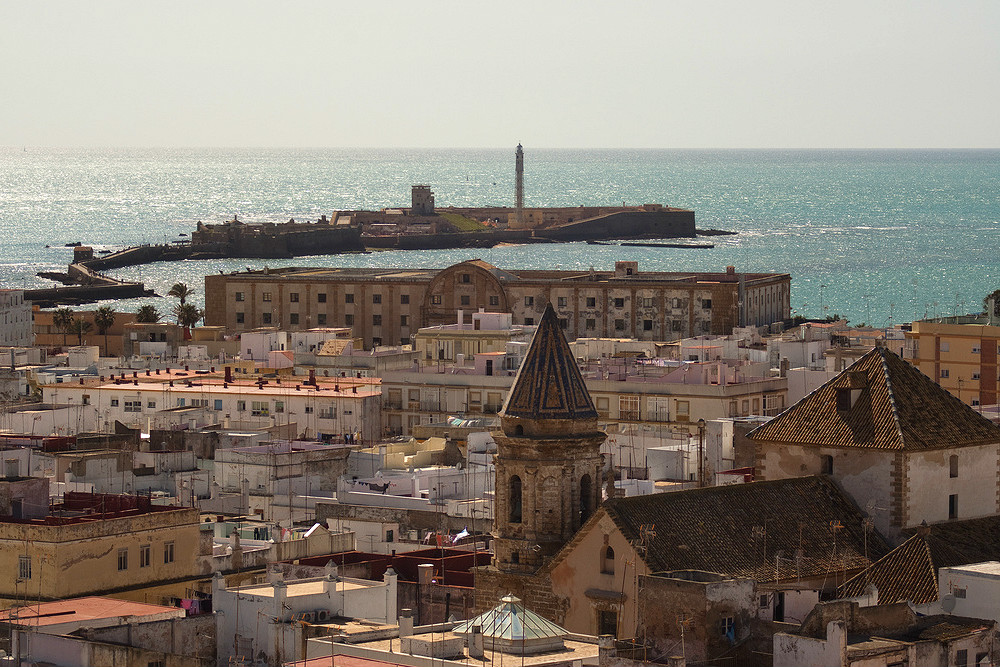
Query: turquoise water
<point x="879" y="236"/>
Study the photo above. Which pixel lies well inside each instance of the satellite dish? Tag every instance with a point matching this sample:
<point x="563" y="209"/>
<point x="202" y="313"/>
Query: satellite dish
<point x="948" y="603"/>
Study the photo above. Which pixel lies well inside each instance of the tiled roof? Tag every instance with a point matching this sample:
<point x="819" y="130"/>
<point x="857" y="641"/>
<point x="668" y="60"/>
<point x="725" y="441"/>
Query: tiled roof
<point x="906" y="573"/>
<point x="893" y="406"/>
<point x="910" y="571"/>
<point x="753" y="530"/>
<point x="549" y="384"/>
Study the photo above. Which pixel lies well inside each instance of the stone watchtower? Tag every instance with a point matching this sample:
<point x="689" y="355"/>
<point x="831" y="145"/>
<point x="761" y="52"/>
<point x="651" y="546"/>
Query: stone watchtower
<point x="548" y="462"/>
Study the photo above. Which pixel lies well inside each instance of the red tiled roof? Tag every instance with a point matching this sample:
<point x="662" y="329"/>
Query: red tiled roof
<point x="80" y="610"/>
<point x="893" y="406"/>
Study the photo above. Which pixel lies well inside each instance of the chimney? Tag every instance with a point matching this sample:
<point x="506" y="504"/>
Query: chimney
<point x="312" y="377"/>
<point x="229" y="374"/>
<point x="476" y="643"/>
<point x="405" y="623"/>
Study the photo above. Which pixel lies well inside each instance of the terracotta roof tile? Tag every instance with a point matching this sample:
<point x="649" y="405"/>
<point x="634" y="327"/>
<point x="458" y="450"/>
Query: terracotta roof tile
<point x="893" y="406"/>
<point x="753" y="530"/>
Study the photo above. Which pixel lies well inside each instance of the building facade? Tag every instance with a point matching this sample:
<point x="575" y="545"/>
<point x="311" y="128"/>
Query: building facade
<point x="387" y="306"/>
<point x="15" y="319"/>
<point x="962" y="358"/>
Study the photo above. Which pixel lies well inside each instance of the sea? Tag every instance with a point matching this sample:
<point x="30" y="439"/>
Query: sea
<point x="880" y="237"/>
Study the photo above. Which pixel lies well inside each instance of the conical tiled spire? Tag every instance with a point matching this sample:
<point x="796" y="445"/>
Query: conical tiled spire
<point x="549" y="396"/>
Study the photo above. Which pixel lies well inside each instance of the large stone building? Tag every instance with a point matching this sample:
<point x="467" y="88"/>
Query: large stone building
<point x="387" y="306"/>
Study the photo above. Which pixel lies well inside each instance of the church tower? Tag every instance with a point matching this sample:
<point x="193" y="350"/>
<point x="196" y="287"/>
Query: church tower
<point x="548" y="462"/>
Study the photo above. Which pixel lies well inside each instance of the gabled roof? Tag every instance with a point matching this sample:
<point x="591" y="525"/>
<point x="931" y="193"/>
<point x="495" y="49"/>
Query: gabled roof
<point x="893" y="406"/>
<point x="752" y="530"/>
<point x="549" y="384"/>
<point x="909" y="573"/>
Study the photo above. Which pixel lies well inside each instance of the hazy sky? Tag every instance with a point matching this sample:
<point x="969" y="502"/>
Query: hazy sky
<point x="477" y="74"/>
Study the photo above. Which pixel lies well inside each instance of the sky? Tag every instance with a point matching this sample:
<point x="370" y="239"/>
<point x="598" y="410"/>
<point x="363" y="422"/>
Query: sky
<point x="582" y="74"/>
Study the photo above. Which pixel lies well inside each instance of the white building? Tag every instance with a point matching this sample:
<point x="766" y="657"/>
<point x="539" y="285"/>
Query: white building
<point x="267" y="623"/>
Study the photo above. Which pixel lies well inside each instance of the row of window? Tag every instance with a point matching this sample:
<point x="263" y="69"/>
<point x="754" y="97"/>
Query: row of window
<point x="145" y="555"/>
<point x="293" y="318"/>
<point x="619" y="302"/>
<point x="293" y="297"/>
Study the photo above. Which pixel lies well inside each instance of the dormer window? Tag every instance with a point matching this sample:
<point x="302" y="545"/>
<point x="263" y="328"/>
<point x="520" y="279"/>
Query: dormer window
<point x="843" y="400"/>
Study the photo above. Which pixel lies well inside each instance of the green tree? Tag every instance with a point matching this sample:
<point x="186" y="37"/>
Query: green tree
<point x="147" y="314"/>
<point x="180" y="291"/>
<point x="104" y="319"/>
<point x="188" y="315"/>
<point x="80" y="327"/>
<point x="63" y="320"/>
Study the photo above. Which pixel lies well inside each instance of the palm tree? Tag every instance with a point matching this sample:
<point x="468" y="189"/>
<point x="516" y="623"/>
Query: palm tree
<point x="147" y="314"/>
<point x="180" y="291"/>
<point x="104" y="319"/>
<point x="188" y="315"/>
<point x="80" y="327"/>
<point x="63" y="320"/>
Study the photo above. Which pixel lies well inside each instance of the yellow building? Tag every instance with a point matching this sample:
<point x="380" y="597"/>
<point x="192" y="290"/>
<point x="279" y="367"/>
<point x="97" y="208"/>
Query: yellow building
<point x="97" y="543"/>
<point x="960" y="357"/>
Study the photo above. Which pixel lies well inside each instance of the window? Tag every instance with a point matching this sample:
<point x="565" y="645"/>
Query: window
<point x="133" y="406"/>
<point x="114" y="402"/>
<point x="436" y="299"/>
<point x="181" y="402"/>
<point x="561" y="301"/>
<point x="826" y="464"/>
<point x="591" y="302"/>
<point x="239" y="296"/>
<point x="959" y="592"/>
<point x="24" y="567"/>
<point x="953" y="466"/>
<point x="945" y="346"/>
<point x="962" y="658"/>
<point x="944" y="372"/>
<point x="168" y="552"/>
<point x="151" y="405"/>
<point x="953" y="506"/>
<point x="607" y="622"/>
<point x="404" y="299"/>
<point x="328" y="413"/>
<point x="293" y="318"/>
<point x="602" y="405"/>
<point x="376" y="298"/>
<point x="240" y="318"/>
<point x="843" y="399"/>
<point x="349" y="298"/>
<point x="321" y="318"/>
<point x="279" y="407"/>
<point x="647" y="302"/>
<point x="683" y="410"/>
<point x="563" y="322"/>
<point x="349" y="320"/>
<point x="975" y="376"/>
<point x="241" y="406"/>
<point x="529" y="301"/>
<point x="706" y="304"/>
<point x="529" y="321"/>
<point x="265" y="318"/>
<point x="976" y="349"/>
<point x="608" y="561"/>
<point x="676" y="325"/>
<point x="586" y="498"/>
<point x="265" y="296"/>
<point x="763" y="602"/>
<point x="309" y="409"/>
<point x="619" y="302"/>
<point x="619" y="325"/>
<point x="466" y="278"/>
<point x="628" y="407"/>
<point x="706" y="326"/>
<point x="218" y="404"/>
<point x="494" y="300"/>
<point x="293" y="297"/>
<point x="260" y="409"/>
<point x="727" y="627"/>
<point x="591" y="324"/>
<point x="122" y="559"/>
<point x="376" y="320"/>
<point x="144" y="555"/>
<point x="647" y="325"/>
<point x="321" y="297"/>
<point x="464" y="300"/>
<point x="514" y="513"/>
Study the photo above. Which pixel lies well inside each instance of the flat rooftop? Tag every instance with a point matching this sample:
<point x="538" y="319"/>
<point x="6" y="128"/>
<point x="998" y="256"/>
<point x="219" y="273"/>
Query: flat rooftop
<point x="83" y="610"/>
<point x="296" y="588"/>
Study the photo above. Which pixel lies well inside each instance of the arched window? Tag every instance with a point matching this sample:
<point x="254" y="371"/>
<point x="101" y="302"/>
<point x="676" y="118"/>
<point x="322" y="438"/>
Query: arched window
<point x="608" y="561"/>
<point x="515" y="499"/>
<point x="586" y="499"/>
<point x="518" y="430"/>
